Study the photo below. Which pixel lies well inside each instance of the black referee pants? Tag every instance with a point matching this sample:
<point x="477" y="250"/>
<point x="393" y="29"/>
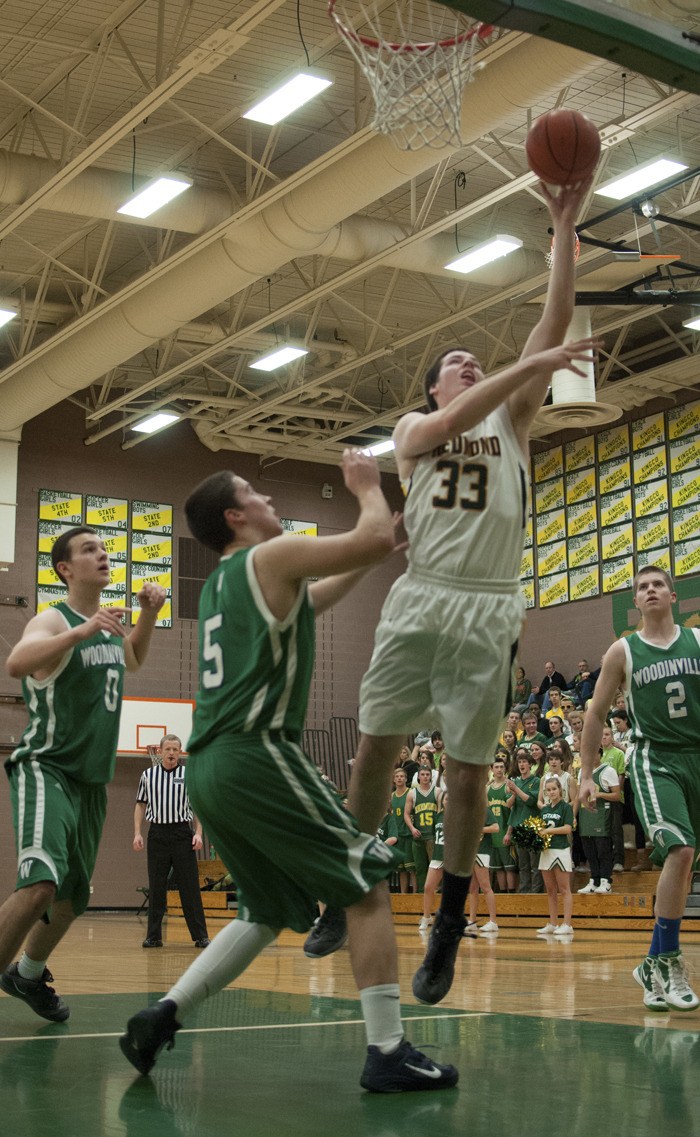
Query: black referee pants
<point x="170" y="846"/>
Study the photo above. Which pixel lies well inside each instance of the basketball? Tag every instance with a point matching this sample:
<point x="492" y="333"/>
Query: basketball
<point x="562" y="147"/>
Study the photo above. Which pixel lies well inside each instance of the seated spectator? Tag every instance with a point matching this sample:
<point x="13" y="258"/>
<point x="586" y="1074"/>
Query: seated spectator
<point x="542" y="722"/>
<point x="508" y="742"/>
<point x="559" y="728"/>
<point x="567" y="705"/>
<point x="583" y="682"/>
<point x="521" y="691"/>
<point x="555" y="862"/>
<point x="538" y="757"/>
<point x="531" y="733"/>
<point x="551" y="677"/>
<point x="621" y="730"/>
<point x="525" y="789"/>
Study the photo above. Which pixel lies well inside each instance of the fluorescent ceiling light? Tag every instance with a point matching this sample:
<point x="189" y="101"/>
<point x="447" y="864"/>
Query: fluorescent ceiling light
<point x="693" y="323"/>
<point x="498" y="246"/>
<point x="380" y="447"/>
<point x="156" y="422"/>
<point x="6" y="316"/>
<point x="287" y="98"/>
<point x="155" y="195"/>
<point x="650" y="174"/>
<point x="278" y="358"/>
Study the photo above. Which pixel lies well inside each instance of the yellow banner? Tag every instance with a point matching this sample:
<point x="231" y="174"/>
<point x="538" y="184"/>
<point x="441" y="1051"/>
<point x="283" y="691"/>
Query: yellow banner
<point x="583" y="550"/>
<point x="527" y="588"/>
<point x="616" y="507"/>
<point x="113" y="600"/>
<point x="165" y="616"/>
<point x="584" y="584"/>
<point x="151" y="574"/>
<point x="151" y="547"/>
<point x="580" y="486"/>
<point x="116" y="542"/>
<point x="49" y="595"/>
<point x="648" y="431"/>
<point x="685" y="453"/>
<point x="687" y="558"/>
<point x="686" y="523"/>
<point x="617" y="574"/>
<point x="49" y="531"/>
<point x="651" y="498"/>
<point x="582" y="518"/>
<point x="650" y="464"/>
<point x="527" y="564"/>
<point x="617" y="541"/>
<point x="652" y="531"/>
<point x="549" y="496"/>
<point x="152" y="515"/>
<point x="548" y="464"/>
<point x="684" y="420"/>
<point x="299" y="528"/>
<point x="554" y="590"/>
<point x="551" y="559"/>
<point x="660" y="558"/>
<point x="57" y="506"/>
<point x="112" y="511"/>
<point x="614" y="475"/>
<point x="45" y="573"/>
<point x="580" y="453"/>
<point x="529" y="535"/>
<point x="685" y="488"/>
<point x="613" y="443"/>
<point x="551" y="527"/>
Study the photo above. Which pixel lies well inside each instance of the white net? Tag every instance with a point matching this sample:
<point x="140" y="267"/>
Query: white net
<point x="417" y="58"/>
<point x="549" y="255"/>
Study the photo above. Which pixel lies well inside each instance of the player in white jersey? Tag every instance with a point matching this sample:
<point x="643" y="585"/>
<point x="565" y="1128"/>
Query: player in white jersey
<point x="449" y="628"/>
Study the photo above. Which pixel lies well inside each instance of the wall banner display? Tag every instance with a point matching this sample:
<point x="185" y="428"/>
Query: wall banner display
<point x="165" y="616"/>
<point x="660" y="557"/>
<point x="549" y="495"/>
<point x="527" y="587"/>
<point x="580" y="454"/>
<point x="116" y="542"/>
<point x="617" y="541"/>
<point x="584" y="583"/>
<point x="617" y="574"/>
<point x="686" y="523"/>
<point x="616" y="507"/>
<point x="614" y="475"/>
<point x="554" y="590"/>
<point x="57" y="505"/>
<point x="45" y="573"/>
<point x="653" y="532"/>
<point x="551" y="559"/>
<point x="686" y="556"/>
<point x="685" y="488"/>
<point x="112" y="599"/>
<point x="580" y="486"/>
<point x="685" y="454"/>
<point x="551" y="526"/>
<point x="613" y="443"/>
<point x="527" y="565"/>
<point x="651" y="497"/>
<point x="684" y="420"/>
<point x="110" y="511"/>
<point x="49" y="531"/>
<point x="648" y="431"/>
<point x="649" y="465"/>
<point x="151" y="515"/>
<point x="529" y="532"/>
<point x="299" y="528"/>
<point x="582" y="518"/>
<point x="117" y="579"/>
<point x="156" y="572"/>
<point x="146" y="547"/>
<point x="583" y="550"/>
<point x="548" y="464"/>
<point x="49" y="594"/>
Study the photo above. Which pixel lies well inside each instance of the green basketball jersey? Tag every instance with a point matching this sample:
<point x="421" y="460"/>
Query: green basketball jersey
<point x="554" y="817"/>
<point x="487" y="838"/>
<point x="397" y="823"/>
<point x="497" y="796"/>
<point x="424" y="809"/>
<point x="254" y="669"/>
<point x="598" y="824"/>
<point x="439" y="846"/>
<point x="663" y="690"/>
<point x="74" y="714"/>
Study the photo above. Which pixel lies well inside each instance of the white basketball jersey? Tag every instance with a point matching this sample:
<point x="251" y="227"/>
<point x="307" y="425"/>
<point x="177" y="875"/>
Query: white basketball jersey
<point x="466" y="508"/>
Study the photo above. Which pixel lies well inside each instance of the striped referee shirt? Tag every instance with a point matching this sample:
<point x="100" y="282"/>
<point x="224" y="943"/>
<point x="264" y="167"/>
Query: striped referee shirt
<point x="165" y="796"/>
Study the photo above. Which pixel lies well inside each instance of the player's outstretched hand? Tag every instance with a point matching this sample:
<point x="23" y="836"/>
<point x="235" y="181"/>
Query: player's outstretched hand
<point x="360" y="471"/>
<point x="105" y="620"/>
<point x="566" y="205"/>
<point x="567" y="355"/>
<point x="151" y="597"/>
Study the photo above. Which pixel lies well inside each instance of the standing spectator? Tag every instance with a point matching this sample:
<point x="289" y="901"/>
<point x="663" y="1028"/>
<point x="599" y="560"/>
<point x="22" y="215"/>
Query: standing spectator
<point x="521" y="691"/>
<point x="552" y="677"/>
<point x="615" y="757"/>
<point x="419" y="815"/>
<point x="408" y="764"/>
<point x="538" y="756"/>
<point x="481" y="879"/>
<point x="435" y="868"/>
<point x="162" y="800"/>
<point x="622" y="737"/>
<point x="71" y="660"/>
<point x="438" y="745"/>
<point x="405" y="865"/>
<point x="525" y="789"/>
<point x="500" y="801"/>
<point x="555" y="862"/>
<point x="556" y="765"/>
<point x="595" y="828"/>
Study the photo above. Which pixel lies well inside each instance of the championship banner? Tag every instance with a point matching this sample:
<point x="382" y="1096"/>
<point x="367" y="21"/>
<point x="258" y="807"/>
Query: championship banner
<point x="527" y="588"/>
<point x="153" y="516"/>
<point x="617" y="574"/>
<point x="580" y="486"/>
<point x="583" y="550"/>
<point x="684" y="453"/>
<point x="584" y="583"/>
<point x="661" y="558"/>
<point x="146" y="547"/>
<point x="686" y="523"/>
<point x="55" y="505"/>
<point x="154" y="573"/>
<point x="550" y="495"/>
<point x="580" y="454"/>
<point x="614" y="475"/>
<point x="650" y="464"/>
<point x="529" y="531"/>
<point x="648" y="431"/>
<point x="617" y="541"/>
<point x="165" y="616"/>
<point x="48" y="595"/>
<point x="299" y="528"/>
<point x="45" y="573"/>
<point x="616" y="507"/>
<point x="684" y="420"/>
<point x="551" y="559"/>
<point x="613" y="443"/>
<point x="652" y="532"/>
<point x="49" y="531"/>
<point x="109" y="511"/>
<point x="582" y="518"/>
<point x="651" y="498"/>
<point x="117" y="577"/>
<point x="111" y="599"/>
<point x="527" y="564"/>
<point x="686" y="557"/>
<point x="551" y="527"/>
<point x="685" y="488"/>
<point x="116" y="542"/>
<point x="548" y="464"/>
<point x="554" y="590"/>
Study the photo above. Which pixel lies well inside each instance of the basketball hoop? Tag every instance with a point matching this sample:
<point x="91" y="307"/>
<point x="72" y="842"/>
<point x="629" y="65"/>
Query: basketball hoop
<point x="417" y="57"/>
<point x="153" y="754"/>
<point x="549" y="255"/>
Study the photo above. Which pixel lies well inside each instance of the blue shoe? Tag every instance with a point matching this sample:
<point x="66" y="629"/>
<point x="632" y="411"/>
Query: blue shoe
<point x="433" y="978"/>
<point x="404" y="1070"/>
<point x="147" y="1032"/>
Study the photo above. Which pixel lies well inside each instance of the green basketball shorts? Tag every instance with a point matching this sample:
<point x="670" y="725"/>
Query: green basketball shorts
<point x="667" y="797"/>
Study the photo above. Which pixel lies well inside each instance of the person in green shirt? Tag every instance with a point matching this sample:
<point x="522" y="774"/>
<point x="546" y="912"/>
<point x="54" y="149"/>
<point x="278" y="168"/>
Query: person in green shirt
<point x="419" y="815"/>
<point x="532" y="734"/>
<point x="500" y="800"/>
<point x="555" y="862"/>
<point x="398" y="827"/>
<point x="525" y="789"/>
<point x="481" y="878"/>
<point x="615" y="757"/>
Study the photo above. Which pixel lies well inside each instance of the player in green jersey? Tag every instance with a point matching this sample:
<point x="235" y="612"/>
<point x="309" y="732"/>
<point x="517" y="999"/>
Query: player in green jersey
<point x="256" y="626"/>
<point x="71" y="659"/>
<point x="405" y="864"/>
<point x="419" y="815"/>
<point x="658" y="668"/>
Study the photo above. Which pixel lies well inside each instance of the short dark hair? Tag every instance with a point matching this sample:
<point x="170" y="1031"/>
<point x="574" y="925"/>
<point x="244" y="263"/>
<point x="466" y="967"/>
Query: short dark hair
<point x="652" y="568"/>
<point x="431" y="376"/>
<point x="434" y="735"/>
<point x="205" y="507"/>
<point x="619" y="713"/>
<point x="60" y="550"/>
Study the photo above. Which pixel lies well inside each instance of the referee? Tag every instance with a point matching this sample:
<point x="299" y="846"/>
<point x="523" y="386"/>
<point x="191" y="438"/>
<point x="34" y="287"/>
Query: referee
<point x="162" y="800"/>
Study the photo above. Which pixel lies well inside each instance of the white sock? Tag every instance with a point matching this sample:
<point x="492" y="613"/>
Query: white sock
<point x="234" y="949"/>
<point x="382" y="1014"/>
<point x="31" y="968"/>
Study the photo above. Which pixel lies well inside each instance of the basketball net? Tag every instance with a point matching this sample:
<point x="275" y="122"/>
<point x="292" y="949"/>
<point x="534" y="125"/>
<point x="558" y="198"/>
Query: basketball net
<point x="549" y="256"/>
<point x="153" y="754"/>
<point x="417" y="57"/>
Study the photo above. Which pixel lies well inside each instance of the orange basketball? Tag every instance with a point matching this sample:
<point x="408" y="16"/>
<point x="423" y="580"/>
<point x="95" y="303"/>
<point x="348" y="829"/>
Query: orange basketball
<point x="562" y="147"/>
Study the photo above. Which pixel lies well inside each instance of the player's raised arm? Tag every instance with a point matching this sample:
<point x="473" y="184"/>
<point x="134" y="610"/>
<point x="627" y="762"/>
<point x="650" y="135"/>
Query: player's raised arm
<point x="46" y="639"/>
